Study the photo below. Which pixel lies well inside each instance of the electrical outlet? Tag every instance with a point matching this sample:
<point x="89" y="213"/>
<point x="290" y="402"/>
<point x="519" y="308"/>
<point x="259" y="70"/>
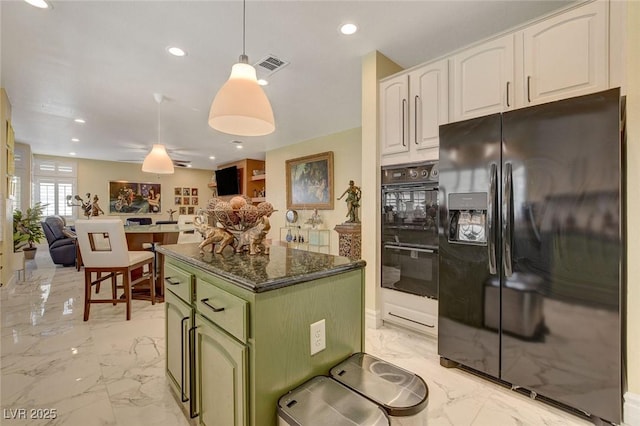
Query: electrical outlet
<point x="317" y="340"/>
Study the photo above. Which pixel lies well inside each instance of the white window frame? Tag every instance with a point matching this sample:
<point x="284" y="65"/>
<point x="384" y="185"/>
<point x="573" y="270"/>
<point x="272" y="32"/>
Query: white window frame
<point x="58" y="173"/>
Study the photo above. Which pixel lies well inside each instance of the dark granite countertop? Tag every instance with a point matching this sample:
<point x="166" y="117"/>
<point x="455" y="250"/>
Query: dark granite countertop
<point x="282" y="267"/>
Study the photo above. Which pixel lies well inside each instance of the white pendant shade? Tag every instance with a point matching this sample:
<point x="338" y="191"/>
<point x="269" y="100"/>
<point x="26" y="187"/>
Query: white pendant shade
<point x="158" y="161"/>
<point x="241" y="106"/>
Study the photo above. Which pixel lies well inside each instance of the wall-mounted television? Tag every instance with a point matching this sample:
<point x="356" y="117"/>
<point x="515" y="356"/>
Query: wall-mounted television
<point x="227" y="181"/>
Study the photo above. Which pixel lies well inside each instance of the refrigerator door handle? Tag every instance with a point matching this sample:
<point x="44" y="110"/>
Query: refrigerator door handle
<point x="507" y="204"/>
<point x="491" y="219"/>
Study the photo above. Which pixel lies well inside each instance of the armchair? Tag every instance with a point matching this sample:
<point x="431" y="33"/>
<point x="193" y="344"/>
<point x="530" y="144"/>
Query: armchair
<point x="62" y="242"/>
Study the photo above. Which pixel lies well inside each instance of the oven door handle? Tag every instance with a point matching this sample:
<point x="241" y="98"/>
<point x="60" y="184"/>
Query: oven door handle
<point x="422" y="250"/>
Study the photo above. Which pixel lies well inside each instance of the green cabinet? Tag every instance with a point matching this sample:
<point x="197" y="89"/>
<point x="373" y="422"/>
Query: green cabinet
<point x="221" y="376"/>
<point x="179" y="317"/>
<point x="245" y="349"/>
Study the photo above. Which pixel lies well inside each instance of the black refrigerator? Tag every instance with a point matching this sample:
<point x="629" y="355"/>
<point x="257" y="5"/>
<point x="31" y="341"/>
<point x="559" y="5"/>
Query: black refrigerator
<point x="531" y="250"/>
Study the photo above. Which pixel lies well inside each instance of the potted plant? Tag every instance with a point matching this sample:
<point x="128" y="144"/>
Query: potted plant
<point x="27" y="231"/>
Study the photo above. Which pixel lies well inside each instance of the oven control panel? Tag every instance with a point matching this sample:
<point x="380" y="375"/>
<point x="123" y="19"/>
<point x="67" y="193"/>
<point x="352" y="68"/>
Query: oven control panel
<point x="412" y="173"/>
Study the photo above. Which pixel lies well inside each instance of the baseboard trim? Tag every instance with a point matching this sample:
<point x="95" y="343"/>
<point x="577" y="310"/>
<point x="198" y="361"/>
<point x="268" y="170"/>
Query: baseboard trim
<point x="372" y="318"/>
<point x="631" y="409"/>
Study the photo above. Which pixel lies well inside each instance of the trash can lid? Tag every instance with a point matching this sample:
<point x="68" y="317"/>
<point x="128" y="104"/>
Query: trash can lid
<point x="322" y="401"/>
<point x="521" y="281"/>
<point x="399" y="391"/>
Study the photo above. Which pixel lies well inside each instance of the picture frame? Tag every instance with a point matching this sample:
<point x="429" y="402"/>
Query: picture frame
<point x="183" y="210"/>
<point x="309" y="182"/>
<point x="186" y="192"/>
<point x="194" y="192"/>
<point x="177" y="191"/>
<point x="177" y="201"/>
<point x="134" y="197"/>
<point x="194" y="200"/>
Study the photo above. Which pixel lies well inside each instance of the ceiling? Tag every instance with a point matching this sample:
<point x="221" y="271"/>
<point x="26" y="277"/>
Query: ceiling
<point x="103" y="60"/>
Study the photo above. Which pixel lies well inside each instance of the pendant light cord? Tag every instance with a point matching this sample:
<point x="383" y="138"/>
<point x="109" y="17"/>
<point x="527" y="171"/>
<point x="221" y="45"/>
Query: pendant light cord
<point x="244" y="23"/>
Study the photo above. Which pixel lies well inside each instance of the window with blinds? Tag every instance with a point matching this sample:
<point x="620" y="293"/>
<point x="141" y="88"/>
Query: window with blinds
<point x="53" y="182"/>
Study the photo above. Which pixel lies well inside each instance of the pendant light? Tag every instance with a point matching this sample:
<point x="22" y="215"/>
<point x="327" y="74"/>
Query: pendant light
<point x="241" y="106"/>
<point x="158" y="161"/>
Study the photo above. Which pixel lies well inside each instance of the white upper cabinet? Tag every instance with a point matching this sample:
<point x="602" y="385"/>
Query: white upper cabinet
<point x="429" y="98"/>
<point x="413" y="106"/>
<point x="566" y="55"/>
<point x="394" y="130"/>
<point x="560" y="57"/>
<point x="483" y="79"/>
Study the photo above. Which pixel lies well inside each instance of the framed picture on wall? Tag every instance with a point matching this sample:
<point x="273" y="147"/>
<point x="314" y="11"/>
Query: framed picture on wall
<point x="310" y="182"/>
<point x="186" y="192"/>
<point x="177" y="200"/>
<point x="191" y="210"/>
<point x="183" y="210"/>
<point x="177" y="191"/>
<point x="186" y="201"/>
<point x="134" y="197"/>
<point x="194" y="192"/>
<point x="194" y="200"/>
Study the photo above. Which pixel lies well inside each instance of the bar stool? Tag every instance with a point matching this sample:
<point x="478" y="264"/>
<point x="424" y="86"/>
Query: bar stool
<point x="103" y="245"/>
<point x="190" y="236"/>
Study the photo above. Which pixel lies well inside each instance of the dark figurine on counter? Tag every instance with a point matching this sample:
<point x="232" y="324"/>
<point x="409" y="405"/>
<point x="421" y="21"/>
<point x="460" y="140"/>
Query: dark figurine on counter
<point x="353" y="202"/>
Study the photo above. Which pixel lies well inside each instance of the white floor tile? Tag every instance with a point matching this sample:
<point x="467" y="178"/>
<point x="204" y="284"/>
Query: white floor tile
<point x="109" y="371"/>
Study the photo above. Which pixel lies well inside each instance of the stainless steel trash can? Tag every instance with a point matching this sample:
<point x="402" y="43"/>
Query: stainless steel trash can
<point x="322" y="401"/>
<point x="403" y="395"/>
<point x="522" y="305"/>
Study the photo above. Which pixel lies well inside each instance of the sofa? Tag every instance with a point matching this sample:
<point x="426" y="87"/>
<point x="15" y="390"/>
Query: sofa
<point x="62" y="241"/>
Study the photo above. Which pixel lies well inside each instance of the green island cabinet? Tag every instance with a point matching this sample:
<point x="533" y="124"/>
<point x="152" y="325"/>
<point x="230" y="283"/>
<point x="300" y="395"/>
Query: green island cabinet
<point x="238" y="327"/>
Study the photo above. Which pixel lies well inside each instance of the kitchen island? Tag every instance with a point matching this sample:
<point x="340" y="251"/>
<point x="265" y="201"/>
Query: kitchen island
<point x="238" y="327"/>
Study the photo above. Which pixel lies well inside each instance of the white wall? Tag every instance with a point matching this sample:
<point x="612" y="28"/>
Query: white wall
<point x="374" y="67"/>
<point x="346" y="147"/>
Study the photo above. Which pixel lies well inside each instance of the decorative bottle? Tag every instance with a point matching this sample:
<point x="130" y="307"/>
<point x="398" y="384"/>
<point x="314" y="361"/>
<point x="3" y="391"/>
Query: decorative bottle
<point x="289" y="237"/>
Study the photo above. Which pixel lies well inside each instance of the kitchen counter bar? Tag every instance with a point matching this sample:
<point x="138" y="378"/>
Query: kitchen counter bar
<point x="282" y="267"/>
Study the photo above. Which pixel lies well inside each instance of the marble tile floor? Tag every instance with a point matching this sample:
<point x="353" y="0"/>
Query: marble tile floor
<point x="109" y="371"/>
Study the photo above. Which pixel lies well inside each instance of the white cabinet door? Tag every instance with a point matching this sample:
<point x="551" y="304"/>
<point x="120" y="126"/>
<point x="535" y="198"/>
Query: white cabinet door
<point x="566" y="55"/>
<point x="483" y="79"/>
<point x="429" y="104"/>
<point x="394" y="130"/>
<point x="412" y="107"/>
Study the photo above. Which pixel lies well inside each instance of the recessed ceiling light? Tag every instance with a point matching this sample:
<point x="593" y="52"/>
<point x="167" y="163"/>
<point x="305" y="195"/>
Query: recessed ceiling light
<point x="72" y="153"/>
<point x="263" y="82"/>
<point x="79" y="120"/>
<point x="40" y="4"/>
<point x="348" y="29"/>
<point x="189" y="166"/>
<point x="75" y="140"/>
<point x="176" y="51"/>
<point x="239" y="146"/>
<point x="211" y="157"/>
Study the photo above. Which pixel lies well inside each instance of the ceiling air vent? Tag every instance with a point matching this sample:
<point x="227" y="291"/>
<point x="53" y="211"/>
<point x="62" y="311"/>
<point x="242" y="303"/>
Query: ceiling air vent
<point x="269" y="65"/>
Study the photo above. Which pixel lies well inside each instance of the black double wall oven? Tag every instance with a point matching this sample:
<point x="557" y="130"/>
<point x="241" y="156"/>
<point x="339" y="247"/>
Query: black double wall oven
<point x="410" y="228"/>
